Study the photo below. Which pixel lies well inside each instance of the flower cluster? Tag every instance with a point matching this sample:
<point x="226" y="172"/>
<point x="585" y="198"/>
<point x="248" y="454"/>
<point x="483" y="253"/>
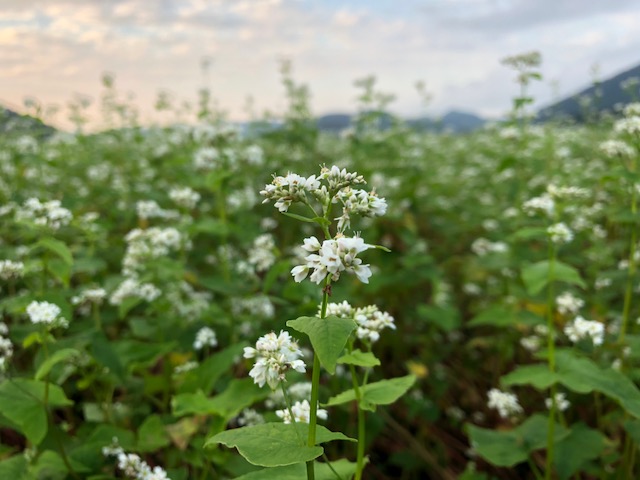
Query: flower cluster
<point x="131" y="287"/>
<point x="46" y="313"/>
<point x="562" y="403"/>
<point x="150" y="209"/>
<point x="482" y="246"/>
<point x="332" y="258"/>
<point x="261" y="255"/>
<point x="543" y="203"/>
<point x="371" y="321"/>
<point x="89" y="295"/>
<point x="617" y="148"/>
<point x="6" y="347"/>
<point x="581" y="328"/>
<point x="143" y="245"/>
<point x="132" y="465"/>
<point x="506" y="403"/>
<point x="275" y="355"/>
<point x="568" y="304"/>
<point x="560" y="233"/>
<point x="291" y="188"/>
<point x="301" y="411"/>
<point x="10" y="269"/>
<point x="331" y="186"/>
<point x="367" y="204"/>
<point x="48" y="214"/>
<point x="188" y="302"/>
<point x="205" y="337"/>
<point x="184" y="197"/>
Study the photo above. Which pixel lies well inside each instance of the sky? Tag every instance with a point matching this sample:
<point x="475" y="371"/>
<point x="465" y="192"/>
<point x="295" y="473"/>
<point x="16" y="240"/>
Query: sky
<point x="58" y="50"/>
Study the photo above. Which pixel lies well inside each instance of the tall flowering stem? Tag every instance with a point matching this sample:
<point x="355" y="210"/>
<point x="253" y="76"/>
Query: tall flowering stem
<point x="626" y="309"/>
<point x="551" y="360"/>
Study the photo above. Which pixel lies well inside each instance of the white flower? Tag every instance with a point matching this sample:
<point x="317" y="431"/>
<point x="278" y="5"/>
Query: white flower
<point x="506" y="403"/>
<point x="184" y="197"/>
<point x="301" y="413"/>
<point x="560" y="233"/>
<point x="567" y="303"/>
<point x="371" y="321"/>
<point x="333" y="258"/>
<point x="275" y="355"/>
<point x="46" y="313"/>
<point x="261" y="255"/>
<point x="10" y="269"/>
<point x="561" y="402"/>
<point x="205" y="337"/>
<point x="581" y="328"/>
<point x="543" y="203"/>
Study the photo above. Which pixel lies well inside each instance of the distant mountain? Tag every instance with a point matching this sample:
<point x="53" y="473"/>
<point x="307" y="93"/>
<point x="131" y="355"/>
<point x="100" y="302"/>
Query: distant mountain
<point x="453" y="121"/>
<point x="607" y="96"/>
<point x="15" y="124"/>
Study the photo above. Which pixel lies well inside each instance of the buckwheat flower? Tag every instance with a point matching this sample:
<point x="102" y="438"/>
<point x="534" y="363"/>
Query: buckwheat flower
<point x="11" y="270"/>
<point x="332" y="258"/>
<point x="206" y="158"/>
<point x="289" y="189"/>
<point x="482" y="246"/>
<point x="338" y="179"/>
<point x="185" y="367"/>
<point x="112" y="450"/>
<point x="149" y="209"/>
<point x="568" y="304"/>
<point x="205" y="337"/>
<point x="184" y="197"/>
<point x="560" y="233"/>
<point x="301" y="412"/>
<point x="46" y="313"/>
<point x="249" y="417"/>
<point x="371" y="321"/>
<point x="6" y="352"/>
<point x="261" y="255"/>
<point x="354" y="201"/>
<point x="581" y="328"/>
<point x="506" y="403"/>
<point x="629" y="125"/>
<point x="254" y="154"/>
<point x="562" y="192"/>
<point x="342" y="310"/>
<point x="275" y="355"/>
<point x="531" y="343"/>
<point x="544" y="204"/>
<point x="91" y="295"/>
<point x="561" y="402"/>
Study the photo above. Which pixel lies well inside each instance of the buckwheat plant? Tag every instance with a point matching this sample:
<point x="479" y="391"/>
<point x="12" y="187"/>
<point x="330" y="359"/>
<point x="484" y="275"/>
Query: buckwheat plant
<point x="332" y="198"/>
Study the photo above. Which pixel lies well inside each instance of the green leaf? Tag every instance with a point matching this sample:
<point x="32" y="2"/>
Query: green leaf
<point x="446" y="318"/>
<point x="152" y="435"/>
<point x="21" y="401"/>
<point x="57" y="357"/>
<point x="104" y="353"/>
<point x="583" y="376"/>
<point x="275" y="444"/>
<point x="328" y="336"/>
<point x="239" y="394"/>
<point x="57" y="247"/>
<point x="503" y="449"/>
<point x="383" y="392"/>
<point x="508" y="448"/>
<point x="345" y="469"/>
<point x="13" y="467"/>
<point x="581" y="445"/>
<point x="360" y="359"/>
<point x="539" y="376"/>
<point x="497" y="316"/>
<point x="60" y="270"/>
<point x="537" y="275"/>
<point x="205" y="376"/>
<point x="128" y="304"/>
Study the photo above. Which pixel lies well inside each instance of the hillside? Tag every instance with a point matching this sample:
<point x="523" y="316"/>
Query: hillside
<point x="605" y="97"/>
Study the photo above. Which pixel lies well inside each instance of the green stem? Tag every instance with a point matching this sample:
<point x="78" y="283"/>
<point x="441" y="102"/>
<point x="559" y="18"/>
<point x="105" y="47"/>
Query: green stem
<point x="287" y="402"/>
<point x="552" y="361"/>
<point x="95" y="310"/>
<point x="315" y="384"/>
<point x="361" y="424"/>
<point x="626" y="309"/>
